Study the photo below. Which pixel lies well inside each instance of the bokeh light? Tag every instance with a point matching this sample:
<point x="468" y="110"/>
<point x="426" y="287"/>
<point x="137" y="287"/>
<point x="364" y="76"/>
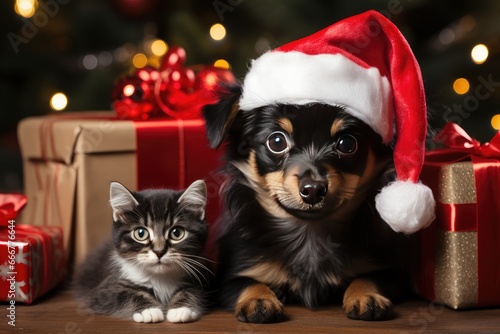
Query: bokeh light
<point x="58" y="101"/>
<point x="461" y="86"/>
<point x="479" y="53"/>
<point x="90" y="62"/>
<point x="140" y="60"/>
<point x="159" y="47"/>
<point x="446" y="36"/>
<point x="128" y="90"/>
<point x="217" y="32"/>
<point x="495" y="122"/>
<point x="26" y="8"/>
<point x="222" y="63"/>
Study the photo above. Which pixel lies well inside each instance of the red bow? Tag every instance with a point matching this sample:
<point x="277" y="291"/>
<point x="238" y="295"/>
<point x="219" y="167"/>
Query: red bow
<point x="172" y="90"/>
<point x="454" y="137"/>
<point x="10" y="205"/>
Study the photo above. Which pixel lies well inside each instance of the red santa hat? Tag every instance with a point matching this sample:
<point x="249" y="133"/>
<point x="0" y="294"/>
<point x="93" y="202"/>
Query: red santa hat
<point x="365" y="65"/>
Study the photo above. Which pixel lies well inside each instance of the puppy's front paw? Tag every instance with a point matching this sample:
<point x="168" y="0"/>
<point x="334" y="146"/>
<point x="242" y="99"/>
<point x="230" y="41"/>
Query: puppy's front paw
<point x="182" y="314"/>
<point x="258" y="304"/>
<point x="368" y="307"/>
<point x="362" y="301"/>
<point x="152" y="314"/>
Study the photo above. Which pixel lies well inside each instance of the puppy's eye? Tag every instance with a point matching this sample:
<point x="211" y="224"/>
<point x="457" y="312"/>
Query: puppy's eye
<point x="277" y="142"/>
<point x="346" y="144"/>
<point x="140" y="234"/>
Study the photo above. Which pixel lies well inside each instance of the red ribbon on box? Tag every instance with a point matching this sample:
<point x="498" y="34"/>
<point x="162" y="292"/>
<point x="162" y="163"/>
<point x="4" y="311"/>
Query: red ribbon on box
<point x="10" y="206"/>
<point x="192" y="159"/>
<point x="482" y="217"/>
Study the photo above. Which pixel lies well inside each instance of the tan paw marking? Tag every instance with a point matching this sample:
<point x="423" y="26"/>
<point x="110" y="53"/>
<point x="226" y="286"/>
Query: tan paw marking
<point x="362" y="301"/>
<point x="258" y="304"/>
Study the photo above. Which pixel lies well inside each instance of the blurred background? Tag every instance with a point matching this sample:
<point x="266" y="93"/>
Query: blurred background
<point x="65" y="55"/>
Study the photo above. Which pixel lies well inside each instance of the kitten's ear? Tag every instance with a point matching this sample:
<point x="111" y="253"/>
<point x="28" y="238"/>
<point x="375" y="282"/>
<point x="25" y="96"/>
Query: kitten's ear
<point x="195" y="198"/>
<point x="220" y="116"/>
<point x="121" y="199"/>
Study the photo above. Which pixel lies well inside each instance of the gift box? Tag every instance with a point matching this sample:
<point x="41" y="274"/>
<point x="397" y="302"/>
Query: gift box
<point x="31" y="265"/>
<point x="70" y="159"/>
<point x="459" y="257"/>
<point x="32" y="259"/>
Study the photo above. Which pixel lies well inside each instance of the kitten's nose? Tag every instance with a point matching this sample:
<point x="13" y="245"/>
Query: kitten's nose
<point x="159" y="253"/>
<point x="312" y="191"/>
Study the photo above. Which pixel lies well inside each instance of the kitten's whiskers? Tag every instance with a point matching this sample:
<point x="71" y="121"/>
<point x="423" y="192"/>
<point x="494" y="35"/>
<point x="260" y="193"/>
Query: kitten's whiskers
<point x="192" y="266"/>
<point x="188" y="268"/>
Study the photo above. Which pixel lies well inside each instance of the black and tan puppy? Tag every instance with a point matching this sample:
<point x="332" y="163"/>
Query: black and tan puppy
<point x="301" y="222"/>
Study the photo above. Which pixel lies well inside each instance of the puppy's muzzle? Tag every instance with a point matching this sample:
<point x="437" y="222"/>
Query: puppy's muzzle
<point x="312" y="191"/>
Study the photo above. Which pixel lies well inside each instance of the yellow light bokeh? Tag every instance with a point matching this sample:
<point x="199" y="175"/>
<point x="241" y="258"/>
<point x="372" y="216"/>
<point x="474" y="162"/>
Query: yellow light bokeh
<point x="479" y="53"/>
<point x="222" y="63"/>
<point x="495" y="122"/>
<point x="217" y="32"/>
<point x="140" y="60"/>
<point x="154" y="61"/>
<point x="58" y="101"/>
<point x="25" y="8"/>
<point x="461" y="86"/>
<point x="159" y="48"/>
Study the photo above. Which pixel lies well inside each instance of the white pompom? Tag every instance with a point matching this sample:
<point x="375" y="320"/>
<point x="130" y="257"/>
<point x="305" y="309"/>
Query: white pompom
<point x="406" y="206"/>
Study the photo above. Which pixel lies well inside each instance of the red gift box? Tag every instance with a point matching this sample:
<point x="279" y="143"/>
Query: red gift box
<point x="32" y="260"/>
<point x="459" y="259"/>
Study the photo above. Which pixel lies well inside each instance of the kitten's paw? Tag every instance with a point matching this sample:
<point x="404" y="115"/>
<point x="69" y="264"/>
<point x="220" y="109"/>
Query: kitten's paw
<point x="182" y="314"/>
<point x="152" y="314"/>
<point x="258" y="304"/>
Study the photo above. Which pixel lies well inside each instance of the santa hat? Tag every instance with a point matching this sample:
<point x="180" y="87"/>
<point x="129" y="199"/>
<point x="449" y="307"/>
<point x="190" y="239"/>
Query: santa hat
<point x="365" y="65"/>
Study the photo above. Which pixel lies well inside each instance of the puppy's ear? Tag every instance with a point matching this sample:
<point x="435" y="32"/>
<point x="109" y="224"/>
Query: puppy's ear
<point x="220" y="116"/>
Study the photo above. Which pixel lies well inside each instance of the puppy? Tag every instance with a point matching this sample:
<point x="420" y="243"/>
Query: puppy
<point x="299" y="221"/>
<point x="325" y="143"/>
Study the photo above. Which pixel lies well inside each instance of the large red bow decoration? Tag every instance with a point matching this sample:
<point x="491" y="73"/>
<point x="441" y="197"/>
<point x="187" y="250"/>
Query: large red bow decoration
<point x="172" y="90"/>
<point x="454" y="137"/>
<point x="10" y="206"/>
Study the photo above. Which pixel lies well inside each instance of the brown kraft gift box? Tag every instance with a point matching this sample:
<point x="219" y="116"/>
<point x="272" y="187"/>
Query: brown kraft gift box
<point x="70" y="159"/>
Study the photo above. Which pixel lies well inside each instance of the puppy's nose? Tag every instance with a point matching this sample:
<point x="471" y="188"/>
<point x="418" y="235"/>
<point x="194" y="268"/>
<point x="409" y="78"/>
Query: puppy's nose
<point x="311" y="191"/>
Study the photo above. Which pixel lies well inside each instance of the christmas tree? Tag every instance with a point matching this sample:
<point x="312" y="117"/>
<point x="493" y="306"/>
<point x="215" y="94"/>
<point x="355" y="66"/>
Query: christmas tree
<point x="62" y="55"/>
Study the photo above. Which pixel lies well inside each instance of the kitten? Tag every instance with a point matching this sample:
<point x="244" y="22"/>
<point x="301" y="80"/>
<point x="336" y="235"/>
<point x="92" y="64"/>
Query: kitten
<point x="153" y="266"/>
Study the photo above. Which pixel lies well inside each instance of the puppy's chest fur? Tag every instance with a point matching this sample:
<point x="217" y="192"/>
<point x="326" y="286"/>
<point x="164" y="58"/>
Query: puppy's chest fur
<point x="304" y="263"/>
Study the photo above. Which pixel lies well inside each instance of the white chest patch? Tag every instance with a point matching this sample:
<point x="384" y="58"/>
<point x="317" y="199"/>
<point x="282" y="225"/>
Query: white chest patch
<point x="164" y="285"/>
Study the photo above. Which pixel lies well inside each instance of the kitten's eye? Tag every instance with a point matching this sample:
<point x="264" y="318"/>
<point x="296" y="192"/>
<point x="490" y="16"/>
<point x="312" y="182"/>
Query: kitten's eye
<point x="277" y="142"/>
<point x="346" y="144"/>
<point x="177" y="233"/>
<point x="140" y="234"/>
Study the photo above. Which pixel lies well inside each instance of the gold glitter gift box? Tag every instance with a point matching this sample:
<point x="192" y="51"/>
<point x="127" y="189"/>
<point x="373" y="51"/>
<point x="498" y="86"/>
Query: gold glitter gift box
<point x="458" y="262"/>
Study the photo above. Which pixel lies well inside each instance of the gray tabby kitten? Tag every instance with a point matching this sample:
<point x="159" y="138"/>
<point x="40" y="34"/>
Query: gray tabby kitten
<point x="153" y="266"/>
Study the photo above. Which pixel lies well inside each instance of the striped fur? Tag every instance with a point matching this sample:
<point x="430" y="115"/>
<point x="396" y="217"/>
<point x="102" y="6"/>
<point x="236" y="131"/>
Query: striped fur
<point x="143" y="280"/>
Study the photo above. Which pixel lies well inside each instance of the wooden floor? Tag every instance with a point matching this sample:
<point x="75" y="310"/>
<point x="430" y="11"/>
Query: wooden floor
<point x="58" y="313"/>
